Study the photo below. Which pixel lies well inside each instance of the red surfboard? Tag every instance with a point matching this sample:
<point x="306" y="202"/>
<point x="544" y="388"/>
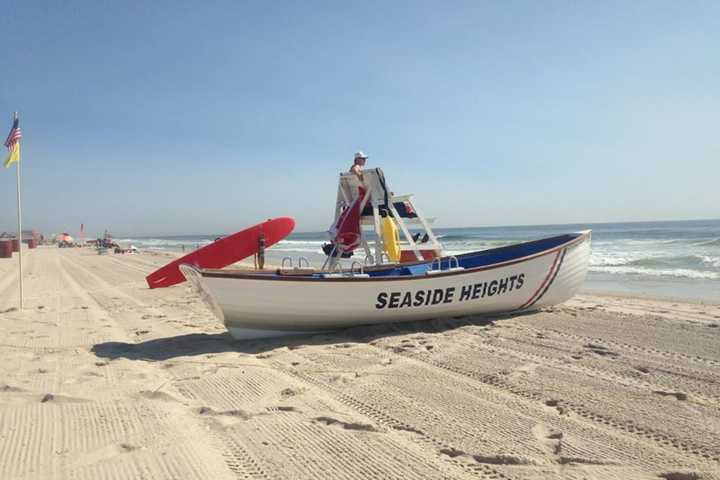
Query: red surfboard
<point x="225" y="251"/>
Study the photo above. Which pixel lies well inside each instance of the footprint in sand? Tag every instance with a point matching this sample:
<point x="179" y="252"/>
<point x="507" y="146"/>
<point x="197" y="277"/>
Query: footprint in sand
<point x="487" y="459"/>
<point x="680" y="476"/>
<point x="289" y="392"/>
<point x="158" y="395"/>
<point x="281" y="408"/>
<point x="10" y="388"/>
<point x="224" y="418"/>
<point x="329" y="421"/>
<point x="550" y="440"/>
<point x="526" y="370"/>
<point x="49" y="397"/>
<point x="601" y="350"/>
<point x="503" y="460"/>
<point x="552" y="403"/>
<point x="226" y="413"/>
<point x="678" y="395"/>
<point x="452" y="452"/>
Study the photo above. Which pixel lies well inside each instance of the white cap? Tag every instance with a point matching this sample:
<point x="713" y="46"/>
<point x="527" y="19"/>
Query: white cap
<point x="360" y="155"/>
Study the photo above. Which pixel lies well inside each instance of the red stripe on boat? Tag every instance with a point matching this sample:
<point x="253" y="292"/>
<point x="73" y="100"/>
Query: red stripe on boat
<point x="544" y="282"/>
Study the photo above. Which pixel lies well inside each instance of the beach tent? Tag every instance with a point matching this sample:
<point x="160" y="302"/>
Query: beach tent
<point x="64" y="237"/>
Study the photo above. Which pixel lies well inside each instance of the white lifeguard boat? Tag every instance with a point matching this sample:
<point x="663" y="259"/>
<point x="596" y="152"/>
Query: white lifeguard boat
<point x="423" y="284"/>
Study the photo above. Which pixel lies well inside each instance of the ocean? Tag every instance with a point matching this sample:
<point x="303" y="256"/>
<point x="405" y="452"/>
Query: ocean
<point x="678" y="259"/>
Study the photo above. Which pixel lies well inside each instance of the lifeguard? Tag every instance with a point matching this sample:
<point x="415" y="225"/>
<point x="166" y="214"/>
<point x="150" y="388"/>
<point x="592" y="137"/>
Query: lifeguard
<point x="358" y="164"/>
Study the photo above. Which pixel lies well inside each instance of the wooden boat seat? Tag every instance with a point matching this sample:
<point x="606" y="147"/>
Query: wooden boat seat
<point x="295" y="271"/>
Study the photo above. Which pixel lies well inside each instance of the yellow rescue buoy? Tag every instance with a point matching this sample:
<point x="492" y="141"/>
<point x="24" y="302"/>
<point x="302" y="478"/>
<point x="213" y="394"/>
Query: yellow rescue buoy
<point x="391" y="239"/>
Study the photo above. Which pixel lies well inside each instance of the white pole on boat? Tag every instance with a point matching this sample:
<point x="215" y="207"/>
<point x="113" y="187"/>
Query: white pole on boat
<point x="19" y="224"/>
<point x="425" y="225"/>
<point x="363" y="241"/>
<point x="379" y="242"/>
<point x="405" y="231"/>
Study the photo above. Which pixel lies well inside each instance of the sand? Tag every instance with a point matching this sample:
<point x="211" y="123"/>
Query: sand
<point x="102" y="378"/>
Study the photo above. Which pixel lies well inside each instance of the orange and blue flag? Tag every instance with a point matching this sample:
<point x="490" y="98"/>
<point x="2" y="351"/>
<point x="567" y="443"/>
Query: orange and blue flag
<point x="13" y="144"/>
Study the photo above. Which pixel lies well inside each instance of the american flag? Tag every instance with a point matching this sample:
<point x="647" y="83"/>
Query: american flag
<point x="14" y="135"/>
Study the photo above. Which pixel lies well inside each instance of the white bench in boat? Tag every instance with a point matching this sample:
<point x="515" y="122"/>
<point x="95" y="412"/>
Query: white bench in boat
<point x="345" y="275"/>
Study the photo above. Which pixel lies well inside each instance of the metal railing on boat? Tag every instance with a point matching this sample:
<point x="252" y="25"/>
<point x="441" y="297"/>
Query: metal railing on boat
<point x="439" y="261"/>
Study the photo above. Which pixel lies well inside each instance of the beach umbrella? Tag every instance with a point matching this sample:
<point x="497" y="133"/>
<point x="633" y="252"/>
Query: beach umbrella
<point x="64" y="237"/>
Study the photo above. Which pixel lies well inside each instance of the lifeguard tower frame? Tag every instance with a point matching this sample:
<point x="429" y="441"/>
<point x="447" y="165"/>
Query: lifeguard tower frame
<point x="378" y="202"/>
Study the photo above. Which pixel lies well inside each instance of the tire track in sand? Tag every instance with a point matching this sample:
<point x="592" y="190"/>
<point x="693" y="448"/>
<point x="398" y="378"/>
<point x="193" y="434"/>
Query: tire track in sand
<point x="654" y="436"/>
<point x="188" y="451"/>
<point x="381" y="416"/>
<point x="457" y="412"/>
<point x="649" y="374"/>
<point x="263" y="409"/>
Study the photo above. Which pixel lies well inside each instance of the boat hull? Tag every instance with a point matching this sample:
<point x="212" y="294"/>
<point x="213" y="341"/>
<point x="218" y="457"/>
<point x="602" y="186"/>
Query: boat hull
<point x="264" y="306"/>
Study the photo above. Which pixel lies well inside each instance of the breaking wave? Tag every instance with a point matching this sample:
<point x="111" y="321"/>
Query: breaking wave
<point x="654" y="272"/>
<point x="657" y="261"/>
<point x="710" y="243"/>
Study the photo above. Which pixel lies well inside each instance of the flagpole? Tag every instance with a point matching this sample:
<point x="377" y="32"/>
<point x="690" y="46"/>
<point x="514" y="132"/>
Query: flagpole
<point x="19" y="225"/>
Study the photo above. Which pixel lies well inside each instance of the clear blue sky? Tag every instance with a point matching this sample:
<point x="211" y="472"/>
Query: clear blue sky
<point x="172" y="117"/>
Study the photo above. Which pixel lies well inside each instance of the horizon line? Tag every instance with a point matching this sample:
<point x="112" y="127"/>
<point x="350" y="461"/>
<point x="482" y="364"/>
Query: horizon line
<point x="476" y="226"/>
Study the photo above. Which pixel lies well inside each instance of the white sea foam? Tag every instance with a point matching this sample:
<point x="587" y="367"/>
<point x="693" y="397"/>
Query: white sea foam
<point x="653" y="272"/>
<point x="710" y="260"/>
<point x="161" y="243"/>
<point x="609" y="260"/>
<point x="299" y="242"/>
<point x="315" y="249"/>
<point x="455" y="252"/>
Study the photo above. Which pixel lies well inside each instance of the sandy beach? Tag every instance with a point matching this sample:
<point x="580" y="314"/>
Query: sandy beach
<point x="103" y="378"/>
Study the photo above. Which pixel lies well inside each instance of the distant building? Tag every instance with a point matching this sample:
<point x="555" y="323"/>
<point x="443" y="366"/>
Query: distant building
<point x="31" y="234"/>
<point x="26" y="235"/>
